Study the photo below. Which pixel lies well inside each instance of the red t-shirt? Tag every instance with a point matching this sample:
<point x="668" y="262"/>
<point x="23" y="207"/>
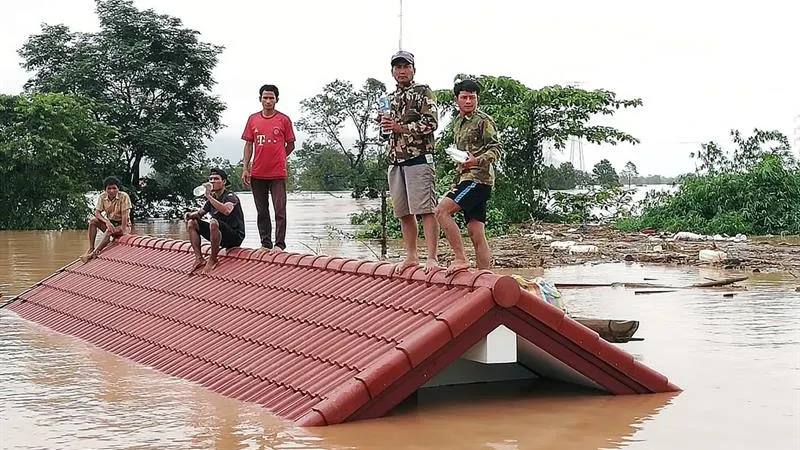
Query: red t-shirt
<point x="269" y="136"/>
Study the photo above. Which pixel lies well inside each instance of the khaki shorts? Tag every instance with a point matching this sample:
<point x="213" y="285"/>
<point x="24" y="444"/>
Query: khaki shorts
<point x="413" y="189"/>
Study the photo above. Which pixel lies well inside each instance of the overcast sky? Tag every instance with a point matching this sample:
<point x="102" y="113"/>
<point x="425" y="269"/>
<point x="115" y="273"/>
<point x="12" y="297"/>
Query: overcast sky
<point x="700" y="70"/>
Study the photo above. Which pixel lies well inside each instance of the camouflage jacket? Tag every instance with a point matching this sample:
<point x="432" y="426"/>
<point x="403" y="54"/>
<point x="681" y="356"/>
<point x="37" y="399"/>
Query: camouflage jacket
<point x="477" y="134"/>
<point x="414" y="107"/>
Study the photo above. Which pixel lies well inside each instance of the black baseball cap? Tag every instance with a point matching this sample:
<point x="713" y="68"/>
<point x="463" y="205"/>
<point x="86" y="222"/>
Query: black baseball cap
<point x="403" y="55"/>
<point x="220" y="172"/>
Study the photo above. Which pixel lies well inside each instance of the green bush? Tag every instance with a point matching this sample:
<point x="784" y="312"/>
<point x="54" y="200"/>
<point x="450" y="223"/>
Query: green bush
<point x="763" y="199"/>
<point x="369" y="221"/>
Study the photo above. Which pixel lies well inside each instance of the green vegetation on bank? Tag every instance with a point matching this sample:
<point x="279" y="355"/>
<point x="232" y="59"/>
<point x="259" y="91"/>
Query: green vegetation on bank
<point x="753" y="190"/>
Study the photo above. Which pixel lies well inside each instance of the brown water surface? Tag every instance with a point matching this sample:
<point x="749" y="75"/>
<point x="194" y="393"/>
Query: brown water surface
<point x="737" y="359"/>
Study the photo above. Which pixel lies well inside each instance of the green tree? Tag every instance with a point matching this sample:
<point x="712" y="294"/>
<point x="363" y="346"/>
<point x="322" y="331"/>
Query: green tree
<point x="605" y="175"/>
<point x="50" y="144"/>
<point x="562" y="177"/>
<point x="526" y="118"/>
<point x="629" y="172"/>
<point x="322" y="168"/>
<point x="149" y="77"/>
<point x="747" y="154"/>
<point x="339" y="108"/>
<point x="755" y="189"/>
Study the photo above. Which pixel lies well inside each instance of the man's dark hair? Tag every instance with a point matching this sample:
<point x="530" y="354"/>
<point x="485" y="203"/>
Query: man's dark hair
<point x="112" y="180"/>
<point x="269" y="88"/>
<point x="220" y="172"/>
<point x="466" y="86"/>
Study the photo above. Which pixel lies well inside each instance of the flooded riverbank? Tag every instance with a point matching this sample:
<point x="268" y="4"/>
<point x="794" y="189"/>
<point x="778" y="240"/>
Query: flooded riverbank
<point x="736" y="358"/>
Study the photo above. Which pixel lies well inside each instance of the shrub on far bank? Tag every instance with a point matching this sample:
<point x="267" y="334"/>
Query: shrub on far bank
<point x="763" y="199"/>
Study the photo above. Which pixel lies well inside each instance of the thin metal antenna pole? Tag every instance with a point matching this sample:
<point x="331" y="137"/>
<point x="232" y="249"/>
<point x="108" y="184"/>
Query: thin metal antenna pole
<point x="400" y="38"/>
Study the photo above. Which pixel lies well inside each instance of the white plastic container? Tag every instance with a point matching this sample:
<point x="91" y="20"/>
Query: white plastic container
<point x="583" y="249"/>
<point x="561" y="245"/>
<point x="457" y="155"/>
<point x="712" y="255"/>
<point x="200" y="191"/>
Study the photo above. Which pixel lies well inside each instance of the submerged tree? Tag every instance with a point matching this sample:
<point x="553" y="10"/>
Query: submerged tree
<point x="604" y="174"/>
<point x="341" y="108"/>
<point x="149" y="77"/>
<point x="629" y="172"/>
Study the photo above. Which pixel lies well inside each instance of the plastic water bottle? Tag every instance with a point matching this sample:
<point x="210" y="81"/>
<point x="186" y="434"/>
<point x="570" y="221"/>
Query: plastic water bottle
<point x="386" y="111"/>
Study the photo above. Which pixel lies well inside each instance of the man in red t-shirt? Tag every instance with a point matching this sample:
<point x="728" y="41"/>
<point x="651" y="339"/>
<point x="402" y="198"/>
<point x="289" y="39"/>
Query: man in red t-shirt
<point x="269" y="139"/>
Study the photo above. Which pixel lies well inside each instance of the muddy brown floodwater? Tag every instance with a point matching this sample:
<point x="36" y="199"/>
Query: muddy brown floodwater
<point x="737" y="359"/>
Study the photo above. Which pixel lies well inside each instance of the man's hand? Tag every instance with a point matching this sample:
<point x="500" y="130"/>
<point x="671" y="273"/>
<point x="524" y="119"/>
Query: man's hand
<point x="188" y="216"/>
<point x="470" y="162"/>
<point x="246" y="177"/>
<point x="388" y="124"/>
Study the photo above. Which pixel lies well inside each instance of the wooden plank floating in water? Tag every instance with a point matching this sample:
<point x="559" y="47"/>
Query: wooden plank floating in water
<point x="707" y="284"/>
<point x="615" y="331"/>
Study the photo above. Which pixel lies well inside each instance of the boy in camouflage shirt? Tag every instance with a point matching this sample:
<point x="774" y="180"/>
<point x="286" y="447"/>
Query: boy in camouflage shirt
<point x="475" y="133"/>
<point x="411" y="124"/>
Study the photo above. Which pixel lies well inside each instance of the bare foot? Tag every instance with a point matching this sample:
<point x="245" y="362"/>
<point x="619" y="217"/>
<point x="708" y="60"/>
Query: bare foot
<point x="399" y="268"/>
<point x="275" y="250"/>
<point x="431" y="264"/>
<point x="88" y="256"/>
<point x="457" y="266"/>
<point x="199" y="262"/>
<point x="210" y="265"/>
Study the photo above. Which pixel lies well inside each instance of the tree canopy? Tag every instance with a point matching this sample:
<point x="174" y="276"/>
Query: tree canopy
<point x="339" y="107"/>
<point x="150" y="78"/>
<point x="49" y="146"/>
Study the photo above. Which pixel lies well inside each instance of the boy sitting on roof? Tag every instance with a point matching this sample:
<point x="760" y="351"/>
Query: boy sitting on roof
<point x="117" y="208"/>
<point x="226" y="227"/>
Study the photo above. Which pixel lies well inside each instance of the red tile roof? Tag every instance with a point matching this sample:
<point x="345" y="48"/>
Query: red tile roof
<point x="317" y="340"/>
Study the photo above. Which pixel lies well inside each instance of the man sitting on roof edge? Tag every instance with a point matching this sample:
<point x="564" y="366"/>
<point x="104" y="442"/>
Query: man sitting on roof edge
<point x="226" y="227"/>
<point x="117" y="208"/>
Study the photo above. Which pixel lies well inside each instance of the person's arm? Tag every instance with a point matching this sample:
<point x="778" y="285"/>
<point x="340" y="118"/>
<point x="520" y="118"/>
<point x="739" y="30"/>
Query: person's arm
<point x="426" y="124"/>
<point x="491" y="148"/>
<point x="288" y="133"/>
<point x="429" y="121"/>
<point x="247" y="136"/>
<point x="225" y="208"/>
<point x="456" y="167"/>
<point x="126" y="213"/>
<point x="199" y="213"/>
<point x="98" y="213"/>
<point x="491" y="144"/>
<point x="246" y="168"/>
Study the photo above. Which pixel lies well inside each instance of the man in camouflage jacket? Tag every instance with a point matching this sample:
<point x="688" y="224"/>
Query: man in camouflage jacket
<point x="474" y="132"/>
<point x="411" y="123"/>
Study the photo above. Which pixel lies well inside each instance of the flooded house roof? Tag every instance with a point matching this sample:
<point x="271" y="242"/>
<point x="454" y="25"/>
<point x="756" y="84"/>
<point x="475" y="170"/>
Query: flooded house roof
<point x="317" y="340"/>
